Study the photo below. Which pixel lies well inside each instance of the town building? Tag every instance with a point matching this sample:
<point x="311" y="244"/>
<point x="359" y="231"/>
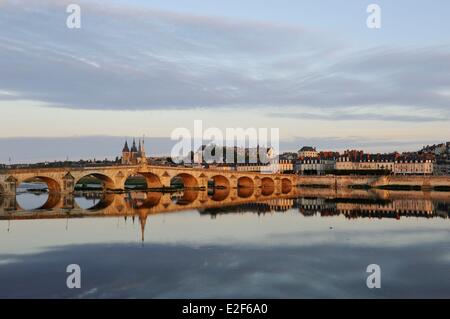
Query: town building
<point x="308" y="151"/>
<point x="441" y="167"/>
<point x="288" y="156"/>
<point x="442" y="153"/>
<point x="320" y="165"/>
<point x="414" y="164"/>
<point x="359" y="161"/>
<point x="214" y="154"/>
<point x="314" y="166"/>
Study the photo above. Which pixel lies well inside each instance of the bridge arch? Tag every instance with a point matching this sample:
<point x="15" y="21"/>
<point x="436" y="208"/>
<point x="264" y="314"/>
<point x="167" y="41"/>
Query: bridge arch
<point x="107" y="182"/>
<point x="149" y="179"/>
<point x="46" y="201"/>
<point x="184" y="180"/>
<point x="245" y="192"/>
<point x="104" y="201"/>
<point x="36" y="200"/>
<point x="286" y="185"/>
<point x="220" y="194"/>
<point x="153" y="180"/>
<point x="267" y="186"/>
<point x="245" y="182"/>
<point x="153" y="199"/>
<point x="188" y="197"/>
<point x="143" y="200"/>
<point x="220" y="187"/>
<point x="220" y="181"/>
<point x="246" y="187"/>
<point x="52" y="185"/>
<point x="267" y="182"/>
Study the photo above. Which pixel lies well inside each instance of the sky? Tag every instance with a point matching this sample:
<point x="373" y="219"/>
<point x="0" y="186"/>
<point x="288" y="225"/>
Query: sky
<point x="313" y="69"/>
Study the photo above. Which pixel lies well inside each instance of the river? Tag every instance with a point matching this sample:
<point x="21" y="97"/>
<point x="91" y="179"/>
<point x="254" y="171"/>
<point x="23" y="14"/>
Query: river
<point x="149" y="245"/>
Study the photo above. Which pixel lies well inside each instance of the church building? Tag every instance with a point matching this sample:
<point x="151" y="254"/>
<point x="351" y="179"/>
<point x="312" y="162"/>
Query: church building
<point x="135" y="155"/>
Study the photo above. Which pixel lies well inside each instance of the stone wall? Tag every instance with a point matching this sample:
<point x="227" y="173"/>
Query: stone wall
<point x="375" y="181"/>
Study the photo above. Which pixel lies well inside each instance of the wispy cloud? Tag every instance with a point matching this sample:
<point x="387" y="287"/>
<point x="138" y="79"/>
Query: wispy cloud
<point x="126" y="58"/>
<point x="348" y="116"/>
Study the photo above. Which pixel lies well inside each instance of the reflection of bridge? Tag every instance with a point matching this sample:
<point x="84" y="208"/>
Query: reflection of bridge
<point x="308" y="201"/>
<point x="325" y="202"/>
<point x="63" y="180"/>
<point x="147" y="203"/>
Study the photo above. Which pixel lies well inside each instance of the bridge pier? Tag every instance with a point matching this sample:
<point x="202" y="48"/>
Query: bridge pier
<point x="278" y="186"/>
<point x="203" y="182"/>
<point x="233" y="193"/>
<point x="165" y="200"/>
<point x="203" y="196"/>
<point x="9" y="203"/>
<point x="258" y="182"/>
<point x="68" y="184"/>
<point x="68" y="201"/>
<point x="165" y="180"/>
<point x="10" y="186"/>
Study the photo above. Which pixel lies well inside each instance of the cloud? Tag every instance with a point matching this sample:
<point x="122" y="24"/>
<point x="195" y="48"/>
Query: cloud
<point x="122" y="59"/>
<point x="349" y="116"/>
<point x="128" y="58"/>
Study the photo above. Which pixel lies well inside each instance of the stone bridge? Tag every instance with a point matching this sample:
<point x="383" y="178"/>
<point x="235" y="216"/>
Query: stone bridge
<point x="63" y="180"/>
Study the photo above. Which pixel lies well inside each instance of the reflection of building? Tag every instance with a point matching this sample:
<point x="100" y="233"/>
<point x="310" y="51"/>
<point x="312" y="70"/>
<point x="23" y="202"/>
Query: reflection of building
<point x="392" y="209"/>
<point x="135" y="155"/>
<point x="315" y="206"/>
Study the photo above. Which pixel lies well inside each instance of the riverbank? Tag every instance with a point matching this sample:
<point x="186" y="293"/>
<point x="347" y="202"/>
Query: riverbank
<point x="397" y="182"/>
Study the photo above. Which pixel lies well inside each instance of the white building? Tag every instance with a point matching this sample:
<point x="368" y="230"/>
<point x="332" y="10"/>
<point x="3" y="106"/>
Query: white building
<point x="413" y="167"/>
<point x="314" y="166"/>
<point x="345" y="163"/>
<point x="308" y="151"/>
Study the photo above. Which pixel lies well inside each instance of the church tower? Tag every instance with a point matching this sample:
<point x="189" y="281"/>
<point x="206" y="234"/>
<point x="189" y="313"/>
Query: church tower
<point x="126" y="156"/>
<point x="142" y="156"/>
<point x="134" y="152"/>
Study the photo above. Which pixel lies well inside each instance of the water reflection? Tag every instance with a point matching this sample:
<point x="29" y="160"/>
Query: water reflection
<point x="227" y="243"/>
<point x="351" y="205"/>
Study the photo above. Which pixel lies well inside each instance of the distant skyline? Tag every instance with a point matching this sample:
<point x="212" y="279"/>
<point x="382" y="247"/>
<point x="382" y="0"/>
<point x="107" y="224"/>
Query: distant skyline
<point x="311" y="68"/>
<point x="24" y="150"/>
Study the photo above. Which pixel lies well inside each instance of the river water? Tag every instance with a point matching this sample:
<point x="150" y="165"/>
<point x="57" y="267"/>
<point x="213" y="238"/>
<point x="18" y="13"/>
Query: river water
<point x="317" y="244"/>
